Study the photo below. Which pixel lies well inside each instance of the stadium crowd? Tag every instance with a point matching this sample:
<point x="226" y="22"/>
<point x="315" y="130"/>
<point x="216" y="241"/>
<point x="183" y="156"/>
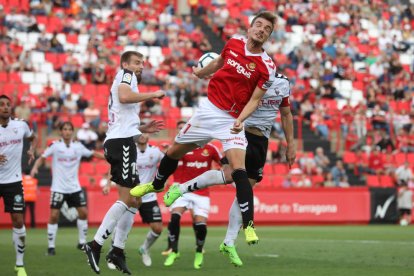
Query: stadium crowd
<point x="350" y="64"/>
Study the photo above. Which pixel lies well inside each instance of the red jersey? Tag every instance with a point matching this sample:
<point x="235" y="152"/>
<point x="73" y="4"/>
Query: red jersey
<point x="232" y="86"/>
<point x="195" y="163"/>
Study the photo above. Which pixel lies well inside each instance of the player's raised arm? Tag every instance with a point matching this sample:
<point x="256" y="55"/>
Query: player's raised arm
<point x="127" y="96"/>
<point x="39" y="162"/>
<point x="250" y="107"/>
<point x="210" y="69"/>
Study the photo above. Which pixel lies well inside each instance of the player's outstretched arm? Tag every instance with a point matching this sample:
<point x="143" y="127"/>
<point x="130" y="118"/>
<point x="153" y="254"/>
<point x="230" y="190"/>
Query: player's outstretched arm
<point x="153" y="126"/>
<point x="126" y="95"/>
<point x="98" y="155"/>
<point x="250" y="107"/>
<point x="210" y="69"/>
<point x="33" y="143"/>
<point x="36" y="166"/>
<point x="287" y="126"/>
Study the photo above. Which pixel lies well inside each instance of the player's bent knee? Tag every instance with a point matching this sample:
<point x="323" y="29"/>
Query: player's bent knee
<point x="157" y="228"/>
<point x="17" y="220"/>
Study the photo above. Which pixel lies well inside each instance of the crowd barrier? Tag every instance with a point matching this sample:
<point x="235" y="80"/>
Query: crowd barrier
<point x="359" y="205"/>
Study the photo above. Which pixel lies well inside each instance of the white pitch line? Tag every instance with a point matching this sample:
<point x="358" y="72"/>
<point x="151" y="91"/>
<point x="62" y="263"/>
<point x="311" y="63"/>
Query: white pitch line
<point x="267" y="255"/>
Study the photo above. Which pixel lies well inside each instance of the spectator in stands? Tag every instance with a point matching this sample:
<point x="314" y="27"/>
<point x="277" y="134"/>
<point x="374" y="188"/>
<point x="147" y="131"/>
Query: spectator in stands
<point x="55" y="45"/>
<point x="43" y="43"/>
<point x="404" y="174"/>
<point x="378" y="119"/>
<point x="26" y="61"/>
<point x="307" y="109"/>
<point x="148" y="35"/>
<point x="304" y="182"/>
<point x="81" y="103"/>
<point x="37" y="7"/>
<point x="376" y="162"/>
<point x="321" y="160"/>
<point x="87" y="136"/>
<point x="287" y="182"/>
<point x="307" y="164"/>
<point x="92" y="115"/>
<point x="23" y="111"/>
<point x="70" y="105"/>
<point x="181" y="93"/>
<point x="386" y="144"/>
<point x="328" y="180"/>
<point x="338" y="172"/>
<point x="187" y="24"/>
<point x="71" y="70"/>
<point x="98" y="73"/>
<point x="400" y="118"/>
<point x="52" y="117"/>
<point x="54" y="98"/>
<point x="318" y="122"/>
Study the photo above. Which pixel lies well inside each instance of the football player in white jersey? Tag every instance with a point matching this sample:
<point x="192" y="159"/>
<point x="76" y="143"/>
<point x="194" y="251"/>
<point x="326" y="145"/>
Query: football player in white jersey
<point x="66" y="158"/>
<point x="121" y="153"/>
<point x="258" y="127"/>
<point x="12" y="134"/>
<point x="148" y="158"/>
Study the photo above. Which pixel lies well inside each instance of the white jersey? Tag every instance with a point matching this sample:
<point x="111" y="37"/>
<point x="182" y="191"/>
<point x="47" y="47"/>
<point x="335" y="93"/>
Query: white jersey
<point x="265" y="115"/>
<point x="123" y="118"/>
<point x="11" y="146"/>
<point x="147" y="162"/>
<point x="65" y="165"/>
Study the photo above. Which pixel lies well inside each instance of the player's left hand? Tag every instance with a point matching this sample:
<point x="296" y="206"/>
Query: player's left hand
<point x="290" y="154"/>
<point x="152" y="127"/>
<point x="237" y="127"/>
<point x="31" y="155"/>
<point x="3" y="159"/>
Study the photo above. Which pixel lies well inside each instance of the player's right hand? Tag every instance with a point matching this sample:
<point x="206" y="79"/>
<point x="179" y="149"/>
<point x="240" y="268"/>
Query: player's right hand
<point x="106" y="189"/>
<point x="33" y="172"/>
<point x="3" y="159"/>
<point x="196" y="72"/>
<point x="159" y="94"/>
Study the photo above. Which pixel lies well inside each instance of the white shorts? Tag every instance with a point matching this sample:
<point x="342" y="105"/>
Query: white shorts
<point x="199" y="204"/>
<point x="208" y="123"/>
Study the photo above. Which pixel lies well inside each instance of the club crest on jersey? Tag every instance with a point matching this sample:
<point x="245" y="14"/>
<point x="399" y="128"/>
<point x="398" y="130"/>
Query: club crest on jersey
<point x="127" y="77"/>
<point x="15" y="130"/>
<point x="205" y="153"/>
<point x="251" y="66"/>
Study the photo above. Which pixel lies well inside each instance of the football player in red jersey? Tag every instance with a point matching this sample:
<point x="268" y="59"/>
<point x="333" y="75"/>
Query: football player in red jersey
<point x="191" y="165"/>
<point x="242" y="74"/>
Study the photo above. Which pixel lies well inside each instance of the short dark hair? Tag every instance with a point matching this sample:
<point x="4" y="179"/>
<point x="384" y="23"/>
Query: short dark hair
<point x="5" y="97"/>
<point x="126" y="56"/>
<point x="180" y="122"/>
<point x="67" y="123"/>
<point x="269" y="16"/>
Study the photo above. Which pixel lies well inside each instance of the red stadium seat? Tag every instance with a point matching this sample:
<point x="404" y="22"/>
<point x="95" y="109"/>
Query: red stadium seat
<point x="280" y="169"/>
<point x="4" y="77"/>
<point x="266" y="182"/>
<point x="268" y="169"/>
<point x="102" y="168"/>
<point x="373" y="181"/>
<point x="386" y="181"/>
<point x="77" y="120"/>
<point x="278" y="181"/>
<point x="349" y="157"/>
<point x="400" y="158"/>
<point x="87" y="168"/>
<point x="84" y="181"/>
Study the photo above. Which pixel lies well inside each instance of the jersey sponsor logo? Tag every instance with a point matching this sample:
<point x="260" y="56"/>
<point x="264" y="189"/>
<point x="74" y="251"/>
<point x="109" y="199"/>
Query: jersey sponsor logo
<point x="251" y="66"/>
<point x="11" y="142"/>
<point x="205" y="153"/>
<point x="233" y="53"/>
<point x="239" y="68"/>
<point x="270" y="102"/>
<point x="197" y="164"/>
<point x="127" y="78"/>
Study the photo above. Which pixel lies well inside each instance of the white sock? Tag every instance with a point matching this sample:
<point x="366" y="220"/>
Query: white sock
<point x="82" y="230"/>
<point x="235" y="223"/>
<point x="109" y="222"/>
<point x="207" y="179"/>
<point x="149" y="241"/>
<point x="51" y="234"/>
<point x="123" y="227"/>
<point x="19" y="236"/>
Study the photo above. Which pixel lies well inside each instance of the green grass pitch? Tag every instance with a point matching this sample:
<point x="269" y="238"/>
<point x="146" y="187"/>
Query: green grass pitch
<point x="283" y="250"/>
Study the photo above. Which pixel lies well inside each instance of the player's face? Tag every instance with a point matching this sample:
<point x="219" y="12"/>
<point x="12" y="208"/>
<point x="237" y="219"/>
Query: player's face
<point x="260" y="30"/>
<point x="143" y="139"/>
<point x="136" y="65"/>
<point x="5" y="108"/>
<point x="66" y="132"/>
